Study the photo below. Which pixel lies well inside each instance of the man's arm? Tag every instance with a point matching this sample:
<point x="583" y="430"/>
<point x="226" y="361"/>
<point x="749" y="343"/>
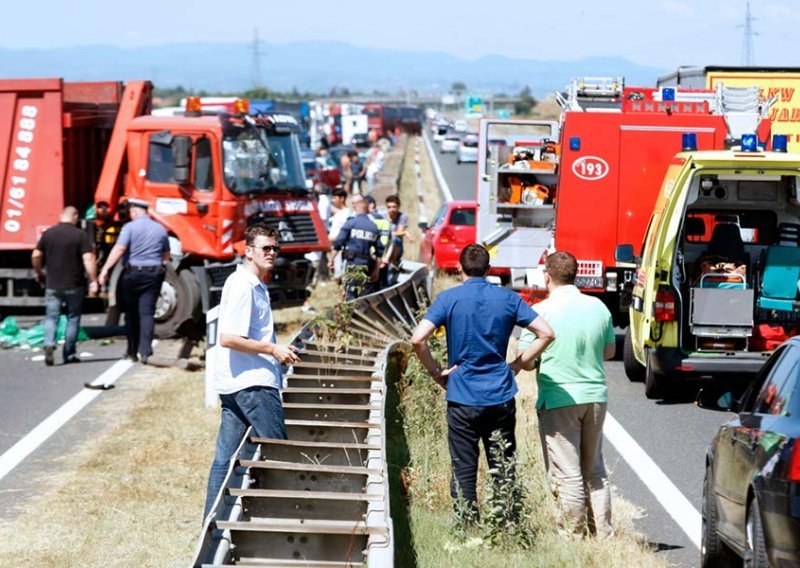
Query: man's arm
<point x="90" y="266"/>
<point x="37" y="258"/>
<point x="610" y="351"/>
<point x="113" y="257"/>
<point x="544" y="337"/>
<point x="283" y="353"/>
<point x="419" y="341"/>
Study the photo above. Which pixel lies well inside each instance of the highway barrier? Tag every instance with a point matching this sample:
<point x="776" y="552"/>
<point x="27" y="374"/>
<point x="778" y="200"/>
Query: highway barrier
<point x="321" y="498"/>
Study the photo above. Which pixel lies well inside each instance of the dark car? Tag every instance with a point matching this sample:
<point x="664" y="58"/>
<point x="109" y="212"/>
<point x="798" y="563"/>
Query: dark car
<point x="751" y="494"/>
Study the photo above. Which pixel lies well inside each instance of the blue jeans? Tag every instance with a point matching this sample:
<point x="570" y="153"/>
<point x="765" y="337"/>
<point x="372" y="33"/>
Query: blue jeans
<point x="259" y="407"/>
<point x="72" y="299"/>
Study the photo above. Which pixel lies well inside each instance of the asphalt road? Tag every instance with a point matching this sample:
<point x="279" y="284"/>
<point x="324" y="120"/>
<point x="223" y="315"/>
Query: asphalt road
<point x="673" y="433"/>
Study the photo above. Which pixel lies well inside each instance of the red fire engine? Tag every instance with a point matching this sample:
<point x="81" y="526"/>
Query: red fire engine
<point x="94" y="145"/>
<point x="589" y="182"/>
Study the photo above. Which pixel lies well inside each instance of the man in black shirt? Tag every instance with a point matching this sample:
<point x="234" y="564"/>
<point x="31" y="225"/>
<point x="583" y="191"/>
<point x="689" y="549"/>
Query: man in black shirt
<point x="67" y="253"/>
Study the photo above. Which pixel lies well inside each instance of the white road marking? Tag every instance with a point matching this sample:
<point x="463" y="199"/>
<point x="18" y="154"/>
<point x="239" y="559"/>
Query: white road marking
<point x="50" y="425"/>
<point x="438" y="171"/>
<point x="674" y="502"/>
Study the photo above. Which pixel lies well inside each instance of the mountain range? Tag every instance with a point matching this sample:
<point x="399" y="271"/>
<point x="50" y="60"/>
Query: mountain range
<point x="313" y="66"/>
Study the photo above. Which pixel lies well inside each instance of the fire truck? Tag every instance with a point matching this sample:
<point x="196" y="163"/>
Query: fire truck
<point x="589" y="182"/>
<point x="205" y="176"/>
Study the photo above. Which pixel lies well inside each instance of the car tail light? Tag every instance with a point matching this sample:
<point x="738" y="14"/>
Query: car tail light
<point x="793" y="471"/>
<point x="665" y="306"/>
<point x="448" y="235"/>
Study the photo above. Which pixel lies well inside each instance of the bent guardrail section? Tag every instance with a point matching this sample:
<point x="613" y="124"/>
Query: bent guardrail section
<point x="321" y="498"/>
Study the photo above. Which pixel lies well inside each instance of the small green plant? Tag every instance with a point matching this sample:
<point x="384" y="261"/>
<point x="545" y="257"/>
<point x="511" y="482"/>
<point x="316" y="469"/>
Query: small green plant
<point x="505" y="510"/>
<point x="355" y="279"/>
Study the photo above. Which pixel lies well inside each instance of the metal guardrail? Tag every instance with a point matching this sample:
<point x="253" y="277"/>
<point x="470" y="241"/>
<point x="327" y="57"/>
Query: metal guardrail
<point x="321" y="498"/>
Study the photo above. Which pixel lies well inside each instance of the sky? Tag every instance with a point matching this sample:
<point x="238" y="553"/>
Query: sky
<point x="661" y="33"/>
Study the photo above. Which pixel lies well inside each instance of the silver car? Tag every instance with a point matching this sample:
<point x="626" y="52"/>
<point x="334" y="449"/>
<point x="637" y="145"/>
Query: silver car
<point x="468" y="149"/>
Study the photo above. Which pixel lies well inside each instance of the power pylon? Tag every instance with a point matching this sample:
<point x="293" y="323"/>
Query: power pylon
<point x="256" y="54"/>
<point x="748" y="55"/>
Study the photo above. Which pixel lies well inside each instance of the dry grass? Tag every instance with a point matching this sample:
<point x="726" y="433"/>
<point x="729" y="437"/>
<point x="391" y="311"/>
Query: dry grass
<point x="132" y="496"/>
<point x="408" y="192"/>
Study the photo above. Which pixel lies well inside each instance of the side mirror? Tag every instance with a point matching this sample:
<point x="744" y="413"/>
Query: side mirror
<point x="423" y="225"/>
<point x="715" y="399"/>
<point x="182" y="146"/>
<point x="624" y="253"/>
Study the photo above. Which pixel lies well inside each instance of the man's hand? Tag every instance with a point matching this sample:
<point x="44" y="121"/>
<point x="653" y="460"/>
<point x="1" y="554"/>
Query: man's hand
<point x="285" y="354"/>
<point x="94" y="288"/>
<point x="102" y="280"/>
<point x="441" y="378"/>
<point x="39" y="277"/>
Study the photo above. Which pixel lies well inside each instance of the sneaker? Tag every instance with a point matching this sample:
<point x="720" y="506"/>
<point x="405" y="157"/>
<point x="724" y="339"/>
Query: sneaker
<point x="48" y="355"/>
<point x="72" y="359"/>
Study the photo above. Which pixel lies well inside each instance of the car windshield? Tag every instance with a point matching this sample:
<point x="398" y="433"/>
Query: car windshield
<point x="255" y="161"/>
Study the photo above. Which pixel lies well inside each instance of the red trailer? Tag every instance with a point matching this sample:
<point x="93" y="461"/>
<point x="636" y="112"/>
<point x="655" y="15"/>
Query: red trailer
<point x="589" y="182"/>
<point x="94" y="145"/>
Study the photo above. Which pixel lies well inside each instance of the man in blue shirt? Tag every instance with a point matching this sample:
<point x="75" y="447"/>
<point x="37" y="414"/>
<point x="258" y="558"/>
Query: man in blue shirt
<point x="144" y="244"/>
<point x="360" y="243"/>
<point x="478" y="318"/>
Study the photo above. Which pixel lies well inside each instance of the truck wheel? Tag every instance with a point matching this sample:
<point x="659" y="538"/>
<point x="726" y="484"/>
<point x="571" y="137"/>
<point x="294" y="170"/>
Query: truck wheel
<point x="178" y="309"/>
<point x="654" y="383"/>
<point x="633" y="369"/>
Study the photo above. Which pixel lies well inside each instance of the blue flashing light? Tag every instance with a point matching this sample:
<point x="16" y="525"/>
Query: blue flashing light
<point x="780" y="143"/>
<point x="667" y="94"/>
<point x="575" y="143"/>
<point x="749" y="143"/>
<point x="689" y="142"/>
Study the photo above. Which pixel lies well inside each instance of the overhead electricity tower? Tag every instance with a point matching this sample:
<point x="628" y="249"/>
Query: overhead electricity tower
<point x="748" y="55"/>
<point x="256" y="53"/>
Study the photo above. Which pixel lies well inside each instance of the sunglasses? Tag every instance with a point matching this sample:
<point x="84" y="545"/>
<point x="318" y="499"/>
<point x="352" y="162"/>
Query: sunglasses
<point x="267" y="248"/>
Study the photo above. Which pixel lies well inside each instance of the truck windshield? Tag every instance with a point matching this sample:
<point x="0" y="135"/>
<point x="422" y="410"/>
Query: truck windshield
<point x="257" y="161"/>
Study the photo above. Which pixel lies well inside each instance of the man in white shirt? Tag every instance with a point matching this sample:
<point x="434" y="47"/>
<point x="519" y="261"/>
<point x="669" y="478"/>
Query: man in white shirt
<point x="248" y="371"/>
<point x="338" y="218"/>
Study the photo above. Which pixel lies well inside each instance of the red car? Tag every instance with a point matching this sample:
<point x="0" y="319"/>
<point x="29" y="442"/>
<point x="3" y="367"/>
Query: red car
<point x="452" y="229"/>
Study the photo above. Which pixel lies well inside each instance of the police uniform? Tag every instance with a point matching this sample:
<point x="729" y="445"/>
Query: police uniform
<point x="357" y="240"/>
<point x="140" y="284"/>
<point x="384" y="235"/>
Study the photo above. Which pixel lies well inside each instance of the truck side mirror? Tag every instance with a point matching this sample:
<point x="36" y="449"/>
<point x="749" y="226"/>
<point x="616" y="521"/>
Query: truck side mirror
<point x="182" y="146"/>
<point x="624" y="253"/>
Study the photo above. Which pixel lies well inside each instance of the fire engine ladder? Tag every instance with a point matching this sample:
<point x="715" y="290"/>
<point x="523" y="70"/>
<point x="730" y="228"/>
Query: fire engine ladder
<point x="742" y="108"/>
<point x="321" y="497"/>
<point x="593" y="93"/>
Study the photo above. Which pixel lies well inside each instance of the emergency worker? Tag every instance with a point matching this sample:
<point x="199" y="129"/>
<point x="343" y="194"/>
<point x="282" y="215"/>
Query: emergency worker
<point x="384" y="232"/>
<point x="144" y="245"/>
<point x="359" y="241"/>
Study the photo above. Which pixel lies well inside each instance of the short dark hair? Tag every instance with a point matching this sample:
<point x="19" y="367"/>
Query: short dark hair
<point x="259" y="230"/>
<point x="339" y="192"/>
<point x="474" y="260"/>
<point x="561" y="267"/>
<point x="393" y="199"/>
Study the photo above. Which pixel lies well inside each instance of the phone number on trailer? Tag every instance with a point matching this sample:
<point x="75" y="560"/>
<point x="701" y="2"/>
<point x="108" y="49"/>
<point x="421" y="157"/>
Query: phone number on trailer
<point x="20" y="165"/>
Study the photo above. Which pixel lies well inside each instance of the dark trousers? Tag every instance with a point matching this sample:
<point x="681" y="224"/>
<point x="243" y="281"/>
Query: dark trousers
<point x="138" y="293"/>
<point x="259" y="407"/>
<point x="466" y="427"/>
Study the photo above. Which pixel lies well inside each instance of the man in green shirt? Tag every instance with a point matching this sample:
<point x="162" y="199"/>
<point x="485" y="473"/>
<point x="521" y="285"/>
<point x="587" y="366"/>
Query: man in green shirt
<point x="572" y="398"/>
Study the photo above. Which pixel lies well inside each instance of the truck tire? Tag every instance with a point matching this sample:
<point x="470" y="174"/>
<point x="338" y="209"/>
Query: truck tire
<point x="654" y="383"/>
<point x="178" y="309"/>
<point x="633" y="369"/>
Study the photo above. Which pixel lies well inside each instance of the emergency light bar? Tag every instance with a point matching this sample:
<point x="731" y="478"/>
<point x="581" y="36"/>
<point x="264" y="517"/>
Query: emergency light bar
<point x="689" y="142"/>
<point x="779" y="143"/>
<point x="749" y="143"/>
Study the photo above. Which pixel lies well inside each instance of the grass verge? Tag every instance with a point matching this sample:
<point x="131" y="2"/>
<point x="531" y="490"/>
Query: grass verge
<point x="427" y="535"/>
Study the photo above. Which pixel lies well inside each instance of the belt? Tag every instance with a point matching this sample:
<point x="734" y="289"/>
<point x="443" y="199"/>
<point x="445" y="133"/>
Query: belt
<point x="140" y="268"/>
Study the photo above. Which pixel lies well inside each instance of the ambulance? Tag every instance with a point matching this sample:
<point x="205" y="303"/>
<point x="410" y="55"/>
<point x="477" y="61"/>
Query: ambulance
<point x="716" y="286"/>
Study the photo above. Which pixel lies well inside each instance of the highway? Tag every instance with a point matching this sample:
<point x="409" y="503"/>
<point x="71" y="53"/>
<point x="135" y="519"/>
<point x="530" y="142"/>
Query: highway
<point x="674" y="434"/>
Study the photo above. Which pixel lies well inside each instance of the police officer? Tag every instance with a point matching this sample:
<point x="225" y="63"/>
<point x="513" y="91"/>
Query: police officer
<point x="360" y="241"/>
<point x="144" y="244"/>
<point x="384" y="234"/>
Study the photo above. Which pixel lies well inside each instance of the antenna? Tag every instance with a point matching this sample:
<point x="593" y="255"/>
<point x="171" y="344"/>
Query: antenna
<point x="748" y="56"/>
<point x="257" y="53"/>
